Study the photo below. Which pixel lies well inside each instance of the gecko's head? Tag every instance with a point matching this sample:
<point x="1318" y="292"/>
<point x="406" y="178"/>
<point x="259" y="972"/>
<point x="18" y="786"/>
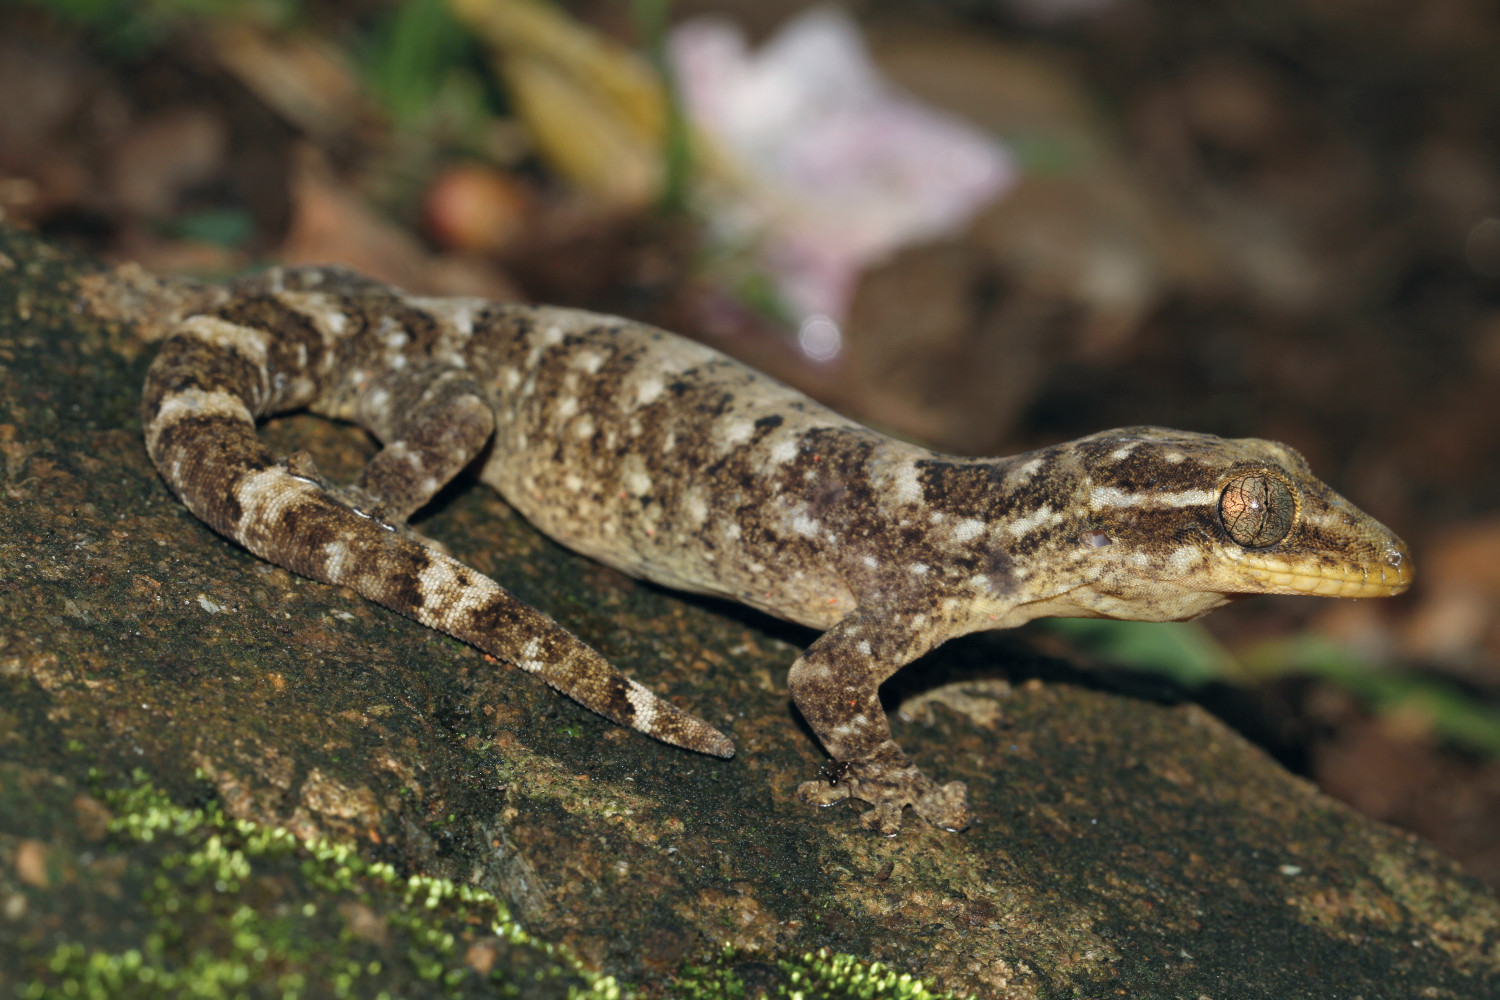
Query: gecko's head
<point x="1193" y="514"/>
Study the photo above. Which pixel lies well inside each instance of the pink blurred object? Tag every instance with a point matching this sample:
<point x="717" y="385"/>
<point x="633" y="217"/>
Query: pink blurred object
<point x="837" y="169"/>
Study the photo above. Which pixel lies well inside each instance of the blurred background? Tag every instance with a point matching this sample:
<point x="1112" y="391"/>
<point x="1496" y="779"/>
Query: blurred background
<point x="986" y="225"/>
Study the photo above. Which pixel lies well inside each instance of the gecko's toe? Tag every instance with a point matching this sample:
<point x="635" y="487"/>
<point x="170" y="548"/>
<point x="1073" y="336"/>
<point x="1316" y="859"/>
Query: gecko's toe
<point x="821" y="793"/>
<point x="884" y="819"/>
<point x="946" y="806"/>
<point x="890" y="787"/>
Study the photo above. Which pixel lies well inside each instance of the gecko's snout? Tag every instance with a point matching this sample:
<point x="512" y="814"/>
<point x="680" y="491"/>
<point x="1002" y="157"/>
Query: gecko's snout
<point x="1385" y="571"/>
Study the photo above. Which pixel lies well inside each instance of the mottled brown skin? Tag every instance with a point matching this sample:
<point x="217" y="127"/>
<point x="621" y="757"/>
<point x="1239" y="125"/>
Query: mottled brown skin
<point x="671" y="462"/>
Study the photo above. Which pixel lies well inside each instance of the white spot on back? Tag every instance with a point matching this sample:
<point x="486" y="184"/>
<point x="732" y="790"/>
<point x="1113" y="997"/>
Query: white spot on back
<point x="648" y="391"/>
<point x="906" y="487"/>
<point x="736" y="432"/>
<point x="462" y="318"/>
<point x="637" y="482"/>
<point x="1021" y="473"/>
<point x="695" y="507"/>
<point x="968" y="529"/>
<point x="783" y="451"/>
<point x="457" y="312"/>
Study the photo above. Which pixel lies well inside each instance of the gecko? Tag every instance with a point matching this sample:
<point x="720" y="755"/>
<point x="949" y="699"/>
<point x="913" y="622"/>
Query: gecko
<point x="669" y="461"/>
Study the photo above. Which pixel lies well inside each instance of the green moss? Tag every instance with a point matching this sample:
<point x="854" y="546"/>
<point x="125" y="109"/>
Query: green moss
<point x="230" y="908"/>
<point x="206" y="906"/>
<point x="827" y="974"/>
<point x="819" y="975"/>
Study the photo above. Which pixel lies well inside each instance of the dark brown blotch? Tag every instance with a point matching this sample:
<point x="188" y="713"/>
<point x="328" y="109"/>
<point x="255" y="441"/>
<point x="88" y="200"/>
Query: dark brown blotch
<point x="296" y="347"/>
<point x="423" y="329"/>
<point x="187" y="363"/>
<point x="404" y="563"/>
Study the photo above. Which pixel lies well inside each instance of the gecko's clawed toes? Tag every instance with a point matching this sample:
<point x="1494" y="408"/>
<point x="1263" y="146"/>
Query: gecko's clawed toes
<point x="946" y="806"/>
<point x="884" y="819"/>
<point x="821" y="792"/>
<point x="889" y="788"/>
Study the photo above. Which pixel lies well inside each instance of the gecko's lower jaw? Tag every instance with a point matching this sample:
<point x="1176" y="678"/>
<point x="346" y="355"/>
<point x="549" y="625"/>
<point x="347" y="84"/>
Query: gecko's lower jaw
<point x="1387" y="576"/>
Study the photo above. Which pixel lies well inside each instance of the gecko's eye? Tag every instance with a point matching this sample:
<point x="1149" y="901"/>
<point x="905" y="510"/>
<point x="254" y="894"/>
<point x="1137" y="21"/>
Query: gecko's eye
<point x="1257" y="509"/>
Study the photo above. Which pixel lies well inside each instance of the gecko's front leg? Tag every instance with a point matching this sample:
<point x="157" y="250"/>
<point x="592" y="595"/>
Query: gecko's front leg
<point x="835" y="684"/>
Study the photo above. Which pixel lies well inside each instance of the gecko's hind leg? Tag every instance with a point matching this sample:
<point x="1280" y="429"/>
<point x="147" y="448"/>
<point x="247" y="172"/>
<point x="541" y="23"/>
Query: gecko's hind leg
<point x="430" y="424"/>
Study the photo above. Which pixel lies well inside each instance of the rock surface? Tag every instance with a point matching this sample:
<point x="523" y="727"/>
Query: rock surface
<point x="149" y="668"/>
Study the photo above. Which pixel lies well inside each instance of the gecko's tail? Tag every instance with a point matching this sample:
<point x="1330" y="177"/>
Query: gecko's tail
<point x="200" y="432"/>
<point x="575" y="669"/>
<point x="468" y="605"/>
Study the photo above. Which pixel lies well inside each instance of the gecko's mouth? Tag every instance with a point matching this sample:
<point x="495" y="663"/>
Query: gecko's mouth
<point x="1385" y="577"/>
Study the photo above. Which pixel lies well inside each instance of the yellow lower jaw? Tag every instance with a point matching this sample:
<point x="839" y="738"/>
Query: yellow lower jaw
<point x="1370" y="580"/>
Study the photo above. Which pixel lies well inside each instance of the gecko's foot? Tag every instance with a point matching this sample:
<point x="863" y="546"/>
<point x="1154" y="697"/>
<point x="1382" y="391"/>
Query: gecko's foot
<point x="890" y="787"/>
